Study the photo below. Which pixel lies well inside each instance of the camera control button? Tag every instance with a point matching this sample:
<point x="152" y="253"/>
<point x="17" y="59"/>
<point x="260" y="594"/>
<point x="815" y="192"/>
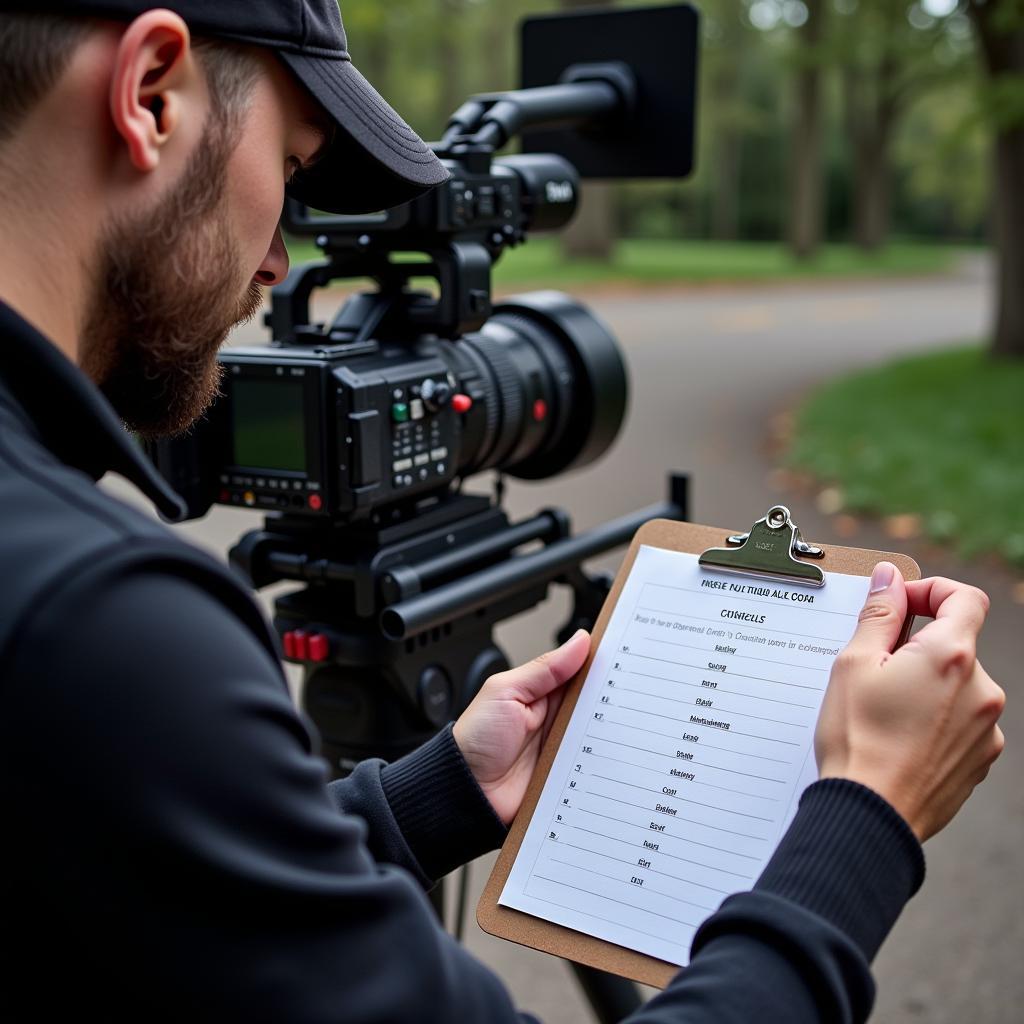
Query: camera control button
<point x="400" y="412"/>
<point x="416" y="408"/>
<point x="462" y="403"/>
<point x="300" y="644"/>
<point x="318" y="647"/>
<point x="400" y="465"/>
<point x="435" y="394"/>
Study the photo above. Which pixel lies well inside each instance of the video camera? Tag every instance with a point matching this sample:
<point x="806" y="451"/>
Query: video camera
<point x="355" y="435"/>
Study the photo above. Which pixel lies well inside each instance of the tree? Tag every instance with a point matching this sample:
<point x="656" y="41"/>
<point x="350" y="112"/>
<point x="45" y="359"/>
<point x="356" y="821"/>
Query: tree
<point x="592" y="234"/>
<point x="806" y="180"/>
<point x="889" y="52"/>
<point x="999" y="25"/>
<point x="727" y="50"/>
<point x="450" y="55"/>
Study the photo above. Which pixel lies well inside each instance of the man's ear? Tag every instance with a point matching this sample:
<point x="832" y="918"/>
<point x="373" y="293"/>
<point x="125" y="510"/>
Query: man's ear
<point x="151" y="67"/>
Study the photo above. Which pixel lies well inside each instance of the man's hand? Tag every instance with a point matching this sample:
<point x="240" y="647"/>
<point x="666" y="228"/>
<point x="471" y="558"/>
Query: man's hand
<point x="917" y="726"/>
<point x="501" y="733"/>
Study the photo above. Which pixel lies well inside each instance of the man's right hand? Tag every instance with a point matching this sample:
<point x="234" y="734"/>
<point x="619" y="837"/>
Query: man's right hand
<point x="917" y="726"/>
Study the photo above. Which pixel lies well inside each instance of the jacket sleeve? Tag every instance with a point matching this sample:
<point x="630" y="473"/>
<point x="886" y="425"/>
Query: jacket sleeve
<point x="177" y="832"/>
<point x="424" y="812"/>
<point x="797" y="949"/>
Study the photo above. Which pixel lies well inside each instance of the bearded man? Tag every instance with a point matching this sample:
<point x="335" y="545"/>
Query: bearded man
<point x="173" y="850"/>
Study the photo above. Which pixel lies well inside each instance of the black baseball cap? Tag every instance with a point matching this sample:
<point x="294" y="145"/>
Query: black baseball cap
<point x="375" y="159"/>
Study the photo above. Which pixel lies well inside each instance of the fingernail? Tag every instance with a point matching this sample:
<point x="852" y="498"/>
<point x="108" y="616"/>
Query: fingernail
<point x="573" y="638"/>
<point x="881" y="577"/>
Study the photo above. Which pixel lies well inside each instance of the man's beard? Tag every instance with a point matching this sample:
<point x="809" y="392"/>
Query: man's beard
<point x="169" y="288"/>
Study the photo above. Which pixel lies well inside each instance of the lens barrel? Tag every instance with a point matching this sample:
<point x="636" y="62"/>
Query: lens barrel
<point x="553" y="386"/>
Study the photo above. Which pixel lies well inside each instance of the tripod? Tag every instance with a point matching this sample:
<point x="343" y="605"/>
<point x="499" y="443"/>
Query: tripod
<point x="394" y="628"/>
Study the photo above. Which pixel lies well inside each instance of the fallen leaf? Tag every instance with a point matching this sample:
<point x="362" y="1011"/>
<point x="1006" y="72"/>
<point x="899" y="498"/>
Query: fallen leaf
<point x="830" y="501"/>
<point x="846" y="525"/>
<point x="902" y="527"/>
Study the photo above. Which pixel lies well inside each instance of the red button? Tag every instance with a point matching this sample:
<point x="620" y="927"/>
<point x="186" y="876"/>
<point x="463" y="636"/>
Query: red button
<point x="319" y="647"/>
<point x="462" y="403"/>
<point x="288" y="640"/>
<point x="316" y="502"/>
<point x="301" y="645"/>
<point x="540" y="409"/>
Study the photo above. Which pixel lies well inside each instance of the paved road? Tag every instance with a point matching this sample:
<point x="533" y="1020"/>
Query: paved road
<point x="710" y="369"/>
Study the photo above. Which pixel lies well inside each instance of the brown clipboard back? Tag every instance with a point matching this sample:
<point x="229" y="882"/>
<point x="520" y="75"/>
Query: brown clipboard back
<point x="565" y="942"/>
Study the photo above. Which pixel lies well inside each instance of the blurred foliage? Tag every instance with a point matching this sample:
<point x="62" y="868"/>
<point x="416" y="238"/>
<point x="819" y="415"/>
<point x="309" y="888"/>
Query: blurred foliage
<point x="939" y="436"/>
<point x="642" y="261"/>
<point x="425" y="55"/>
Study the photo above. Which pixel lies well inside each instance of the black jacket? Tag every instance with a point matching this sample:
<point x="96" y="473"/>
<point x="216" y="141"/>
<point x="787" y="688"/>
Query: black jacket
<point x="173" y="850"/>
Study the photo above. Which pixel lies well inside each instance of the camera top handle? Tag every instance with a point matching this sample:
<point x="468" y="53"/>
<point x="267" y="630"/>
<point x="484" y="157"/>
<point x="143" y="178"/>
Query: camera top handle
<point x="599" y="93"/>
<point x="460" y="252"/>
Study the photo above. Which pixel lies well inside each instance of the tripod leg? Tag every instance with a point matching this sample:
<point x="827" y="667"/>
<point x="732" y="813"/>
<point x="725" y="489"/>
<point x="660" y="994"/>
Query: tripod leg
<point x="436" y="897"/>
<point x="460" y="907"/>
<point x="611" y="998"/>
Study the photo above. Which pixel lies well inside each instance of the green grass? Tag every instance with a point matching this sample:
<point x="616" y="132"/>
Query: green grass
<point x="643" y="261"/>
<point x="940" y="436"/>
<point x="650" y="261"/>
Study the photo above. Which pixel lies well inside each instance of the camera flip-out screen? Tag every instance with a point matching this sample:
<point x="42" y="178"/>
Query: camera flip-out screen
<point x="270" y="429"/>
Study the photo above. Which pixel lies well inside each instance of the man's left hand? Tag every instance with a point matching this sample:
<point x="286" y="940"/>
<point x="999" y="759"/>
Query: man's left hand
<point x="501" y="733"/>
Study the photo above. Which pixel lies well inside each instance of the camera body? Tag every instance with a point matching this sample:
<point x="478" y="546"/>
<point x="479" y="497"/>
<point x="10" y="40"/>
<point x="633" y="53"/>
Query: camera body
<point x="328" y="431"/>
<point x="380" y="407"/>
<point x="337" y="428"/>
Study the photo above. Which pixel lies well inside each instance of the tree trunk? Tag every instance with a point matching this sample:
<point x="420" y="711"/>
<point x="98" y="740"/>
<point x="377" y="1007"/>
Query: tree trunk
<point x="871" y="111"/>
<point x="871" y="191"/>
<point x="725" y="196"/>
<point x="725" y="204"/>
<point x="498" y="28"/>
<point x="1002" y="45"/>
<point x="592" y="234"/>
<point x="449" y="58"/>
<point x="375" y="60"/>
<point x="1008" y="339"/>
<point x="806" y="186"/>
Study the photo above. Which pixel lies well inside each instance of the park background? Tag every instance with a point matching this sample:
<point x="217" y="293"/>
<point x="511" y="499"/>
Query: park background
<point x="829" y="312"/>
<point x="837" y="139"/>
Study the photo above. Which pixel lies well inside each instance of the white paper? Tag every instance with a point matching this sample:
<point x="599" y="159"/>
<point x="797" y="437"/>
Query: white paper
<point x="686" y="754"/>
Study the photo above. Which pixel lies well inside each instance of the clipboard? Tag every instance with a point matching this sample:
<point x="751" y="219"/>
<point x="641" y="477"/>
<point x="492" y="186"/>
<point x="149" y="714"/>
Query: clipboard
<point x="772" y="550"/>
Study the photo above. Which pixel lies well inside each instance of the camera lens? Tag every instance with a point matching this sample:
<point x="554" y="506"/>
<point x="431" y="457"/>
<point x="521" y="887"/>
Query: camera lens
<point x="554" y="387"/>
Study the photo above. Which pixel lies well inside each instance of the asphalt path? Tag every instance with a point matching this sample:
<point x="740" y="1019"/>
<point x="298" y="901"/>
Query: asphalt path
<point x="710" y="371"/>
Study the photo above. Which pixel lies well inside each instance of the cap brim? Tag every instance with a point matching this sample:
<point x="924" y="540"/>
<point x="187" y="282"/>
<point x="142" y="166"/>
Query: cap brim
<point x="376" y="160"/>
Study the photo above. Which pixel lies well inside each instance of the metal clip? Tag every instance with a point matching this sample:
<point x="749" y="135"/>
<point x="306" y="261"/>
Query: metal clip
<point x="768" y="551"/>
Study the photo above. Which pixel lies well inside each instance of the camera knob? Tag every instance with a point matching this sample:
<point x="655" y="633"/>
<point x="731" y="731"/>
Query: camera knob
<point x="435" y="393"/>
